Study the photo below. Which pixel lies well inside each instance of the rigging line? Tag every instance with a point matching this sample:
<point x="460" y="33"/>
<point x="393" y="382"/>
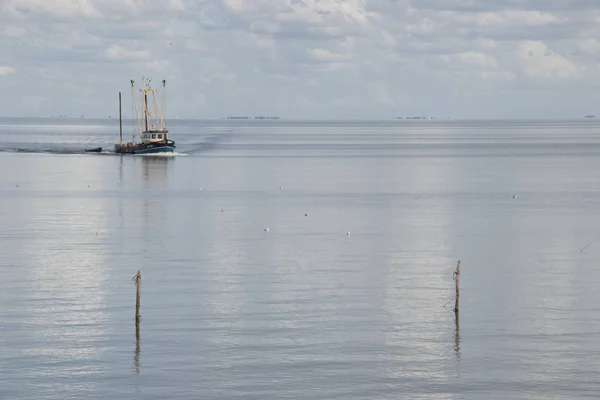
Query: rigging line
<point x="589" y="244"/>
<point x="139" y="131"/>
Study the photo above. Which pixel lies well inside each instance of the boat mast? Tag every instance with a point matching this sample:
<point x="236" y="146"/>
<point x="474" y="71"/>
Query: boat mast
<point x="146" y="109"/>
<point x="162" y="106"/>
<point x="135" y="110"/>
<point x="120" y="122"/>
<point x="153" y="118"/>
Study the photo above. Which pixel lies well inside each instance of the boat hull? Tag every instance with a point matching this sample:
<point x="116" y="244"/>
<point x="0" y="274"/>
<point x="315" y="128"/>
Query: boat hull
<point x="167" y="146"/>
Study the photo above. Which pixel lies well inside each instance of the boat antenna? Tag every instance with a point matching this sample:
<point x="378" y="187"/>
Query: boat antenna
<point x="120" y="123"/>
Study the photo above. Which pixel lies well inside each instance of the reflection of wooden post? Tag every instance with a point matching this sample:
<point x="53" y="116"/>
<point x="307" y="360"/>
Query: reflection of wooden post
<point x="136" y="355"/>
<point x="457" y="281"/>
<point x="456" y="335"/>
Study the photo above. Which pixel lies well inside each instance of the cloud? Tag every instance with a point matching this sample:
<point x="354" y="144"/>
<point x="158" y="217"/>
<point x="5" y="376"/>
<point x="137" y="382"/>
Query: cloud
<point x="60" y="9"/>
<point x="507" y="18"/>
<point x="176" y="5"/>
<point x="471" y="58"/>
<point x="590" y="46"/>
<point x="6" y="70"/>
<point x="14" y="31"/>
<point x="327" y="55"/>
<point x="301" y="58"/>
<point x="118" y="52"/>
<point x="538" y="61"/>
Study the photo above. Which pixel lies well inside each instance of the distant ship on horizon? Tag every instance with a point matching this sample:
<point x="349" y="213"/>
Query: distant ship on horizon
<point x="248" y="118"/>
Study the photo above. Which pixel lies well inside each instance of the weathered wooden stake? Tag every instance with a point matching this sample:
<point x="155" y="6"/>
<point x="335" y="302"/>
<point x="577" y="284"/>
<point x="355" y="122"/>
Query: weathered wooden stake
<point x="138" y="286"/>
<point x="457" y="281"/>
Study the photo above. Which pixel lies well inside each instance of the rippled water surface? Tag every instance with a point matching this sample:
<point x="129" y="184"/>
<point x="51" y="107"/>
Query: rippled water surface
<point x="301" y="260"/>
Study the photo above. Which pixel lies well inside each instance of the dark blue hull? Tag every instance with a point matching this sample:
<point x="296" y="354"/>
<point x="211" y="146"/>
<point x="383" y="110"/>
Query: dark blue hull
<point x="166" y="146"/>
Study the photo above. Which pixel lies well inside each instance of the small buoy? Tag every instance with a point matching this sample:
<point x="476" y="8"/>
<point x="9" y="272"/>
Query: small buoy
<point x="266" y="229"/>
<point x="97" y="233"/>
<point x="514" y="196"/>
<point x="220" y="209"/>
<point x="348" y="233"/>
<point x="89" y="186"/>
<point x="17" y="185"/>
<point x="306" y="215"/>
<point x="279" y="186"/>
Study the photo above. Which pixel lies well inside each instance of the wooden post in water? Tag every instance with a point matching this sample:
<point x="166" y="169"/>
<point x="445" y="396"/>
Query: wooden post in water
<point x="138" y="286"/>
<point x="457" y="281"/>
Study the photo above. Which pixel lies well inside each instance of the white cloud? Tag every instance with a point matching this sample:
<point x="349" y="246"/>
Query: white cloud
<point x="118" y="52"/>
<point x="159" y="66"/>
<point x="508" y="18"/>
<point x="322" y="12"/>
<point x="326" y="55"/>
<point x="590" y="46"/>
<point x="14" y="31"/>
<point x="52" y="8"/>
<point x="498" y="75"/>
<point x="538" y="61"/>
<point x="381" y="94"/>
<point x="176" y="5"/>
<point x="473" y="59"/>
<point x="6" y="70"/>
<point x="485" y="44"/>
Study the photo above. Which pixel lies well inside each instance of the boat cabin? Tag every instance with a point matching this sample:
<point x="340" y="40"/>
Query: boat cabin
<point x="154" y="136"/>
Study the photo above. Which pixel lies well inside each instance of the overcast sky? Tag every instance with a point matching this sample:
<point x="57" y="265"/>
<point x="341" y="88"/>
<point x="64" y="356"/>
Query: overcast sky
<point x="303" y="58"/>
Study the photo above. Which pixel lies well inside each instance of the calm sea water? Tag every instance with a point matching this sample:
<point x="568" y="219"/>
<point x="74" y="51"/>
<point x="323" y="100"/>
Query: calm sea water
<point x="349" y="293"/>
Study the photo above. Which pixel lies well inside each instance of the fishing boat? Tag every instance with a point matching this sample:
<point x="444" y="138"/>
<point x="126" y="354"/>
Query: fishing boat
<point x="151" y="128"/>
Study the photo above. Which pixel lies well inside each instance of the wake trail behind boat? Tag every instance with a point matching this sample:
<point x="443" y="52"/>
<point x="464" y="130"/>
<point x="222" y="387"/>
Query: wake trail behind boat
<point x="207" y="143"/>
<point x="43" y="150"/>
<point x="211" y="142"/>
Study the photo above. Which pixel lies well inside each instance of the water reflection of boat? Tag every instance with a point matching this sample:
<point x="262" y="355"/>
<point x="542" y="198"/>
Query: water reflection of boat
<point x="154" y="183"/>
<point x="154" y="171"/>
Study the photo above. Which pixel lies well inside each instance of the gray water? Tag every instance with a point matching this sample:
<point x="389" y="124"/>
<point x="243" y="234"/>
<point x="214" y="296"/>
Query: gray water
<point x="348" y="295"/>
